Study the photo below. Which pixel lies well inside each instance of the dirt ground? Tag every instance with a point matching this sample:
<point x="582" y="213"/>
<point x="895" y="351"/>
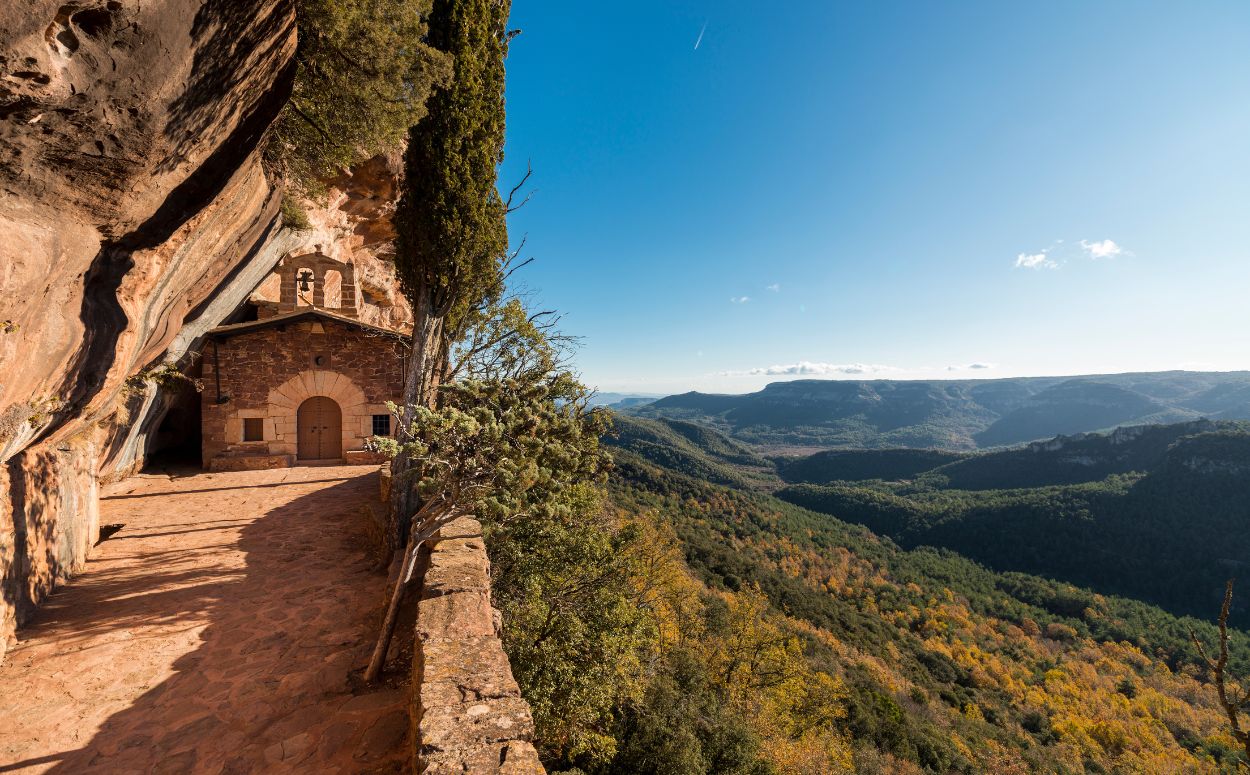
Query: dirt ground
<point x="219" y="630"/>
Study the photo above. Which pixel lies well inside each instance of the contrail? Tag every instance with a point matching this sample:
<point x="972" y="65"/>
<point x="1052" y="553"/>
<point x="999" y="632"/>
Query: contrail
<point x="700" y="40"/>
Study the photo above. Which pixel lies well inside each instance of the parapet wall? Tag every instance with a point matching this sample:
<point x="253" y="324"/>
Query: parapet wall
<point x="469" y="716"/>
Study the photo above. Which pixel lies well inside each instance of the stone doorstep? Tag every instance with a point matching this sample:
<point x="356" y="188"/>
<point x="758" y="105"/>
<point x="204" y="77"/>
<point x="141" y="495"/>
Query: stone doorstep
<point x="515" y="757"/>
<point x="249" y="462"/>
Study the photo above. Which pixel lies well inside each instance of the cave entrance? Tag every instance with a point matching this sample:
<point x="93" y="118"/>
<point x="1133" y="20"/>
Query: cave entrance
<point x="176" y="440"/>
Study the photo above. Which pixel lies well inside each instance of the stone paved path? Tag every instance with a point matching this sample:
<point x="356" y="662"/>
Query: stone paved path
<point x="215" y="633"/>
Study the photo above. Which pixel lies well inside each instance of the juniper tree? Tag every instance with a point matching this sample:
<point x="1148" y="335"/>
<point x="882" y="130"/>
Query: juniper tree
<point x="503" y="450"/>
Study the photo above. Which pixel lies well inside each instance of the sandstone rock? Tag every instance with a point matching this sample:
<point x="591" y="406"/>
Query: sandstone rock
<point x="130" y="196"/>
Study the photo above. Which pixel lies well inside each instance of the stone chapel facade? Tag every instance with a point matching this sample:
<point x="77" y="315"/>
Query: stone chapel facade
<point x="304" y="383"/>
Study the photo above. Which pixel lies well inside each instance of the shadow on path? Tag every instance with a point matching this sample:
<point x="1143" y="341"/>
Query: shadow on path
<point x="225" y="648"/>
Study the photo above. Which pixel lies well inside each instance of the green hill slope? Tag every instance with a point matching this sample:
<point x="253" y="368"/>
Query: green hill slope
<point x="1158" y="513"/>
<point x="939" y="664"/>
<point x="691" y="449"/>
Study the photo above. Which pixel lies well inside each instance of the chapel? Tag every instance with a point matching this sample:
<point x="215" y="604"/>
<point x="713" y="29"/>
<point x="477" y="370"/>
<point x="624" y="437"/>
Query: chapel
<point x="306" y="381"/>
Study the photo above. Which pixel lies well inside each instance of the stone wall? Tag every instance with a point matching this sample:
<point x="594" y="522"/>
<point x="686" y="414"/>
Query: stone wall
<point x="268" y="372"/>
<point x="469" y="716"/>
<point x="49" y="520"/>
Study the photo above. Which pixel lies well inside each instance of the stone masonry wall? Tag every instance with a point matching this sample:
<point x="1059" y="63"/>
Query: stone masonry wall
<point x="269" y="372"/>
<point x="469" y="716"/>
<point x="49" y="520"/>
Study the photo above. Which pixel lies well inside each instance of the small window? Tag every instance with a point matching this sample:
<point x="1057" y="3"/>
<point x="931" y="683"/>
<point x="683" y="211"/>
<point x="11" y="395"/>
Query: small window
<point x="253" y="429"/>
<point x="381" y="425"/>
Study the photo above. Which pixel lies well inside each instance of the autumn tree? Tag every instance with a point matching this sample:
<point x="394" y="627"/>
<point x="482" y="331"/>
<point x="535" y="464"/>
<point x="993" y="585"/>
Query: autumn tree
<point x="1234" y="699"/>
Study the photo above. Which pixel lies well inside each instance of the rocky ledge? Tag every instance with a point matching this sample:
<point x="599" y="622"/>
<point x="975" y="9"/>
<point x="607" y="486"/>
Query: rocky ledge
<point x="469" y="715"/>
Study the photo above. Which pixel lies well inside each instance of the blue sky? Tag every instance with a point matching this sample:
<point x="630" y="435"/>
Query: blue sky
<point x="884" y="189"/>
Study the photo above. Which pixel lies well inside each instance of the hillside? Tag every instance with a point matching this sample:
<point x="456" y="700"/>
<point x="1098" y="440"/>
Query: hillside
<point x="957" y="414"/>
<point x="853" y="465"/>
<point x="933" y="663"/>
<point x="1154" y="512"/>
<point x="690" y="449"/>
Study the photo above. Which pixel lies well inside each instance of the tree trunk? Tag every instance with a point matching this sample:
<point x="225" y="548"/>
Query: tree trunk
<point x="427" y="334"/>
<point x="392" y="613"/>
<point x="433" y="518"/>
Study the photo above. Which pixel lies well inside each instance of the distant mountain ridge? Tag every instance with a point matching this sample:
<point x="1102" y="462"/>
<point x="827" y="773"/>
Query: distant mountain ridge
<point x="957" y="415"/>
<point x="622" y="400"/>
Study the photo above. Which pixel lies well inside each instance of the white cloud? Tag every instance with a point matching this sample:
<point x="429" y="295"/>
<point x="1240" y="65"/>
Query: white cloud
<point x="809" y="368"/>
<point x="979" y="366"/>
<point x="775" y="287"/>
<point x="1035" y="261"/>
<point x="739" y="299"/>
<point x="1101" y="248"/>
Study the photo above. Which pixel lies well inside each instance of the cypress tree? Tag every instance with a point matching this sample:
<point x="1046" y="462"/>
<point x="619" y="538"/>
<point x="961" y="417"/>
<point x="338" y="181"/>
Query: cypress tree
<point x="451" y="220"/>
<point x="452" y="232"/>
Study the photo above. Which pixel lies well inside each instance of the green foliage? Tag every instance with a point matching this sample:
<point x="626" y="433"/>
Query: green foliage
<point x="522" y="454"/>
<point x="1069" y="459"/>
<point x="40" y="410"/>
<point x="505" y="450"/>
<point x="450" y="221"/>
<point x="574" y="631"/>
<point x="689" y="449"/>
<point x="166" y="375"/>
<point x="735" y="539"/>
<point x="851" y="465"/>
<point x="683" y="726"/>
<point x="1165" y="535"/>
<point x="294" y="216"/>
<point x="364" y="72"/>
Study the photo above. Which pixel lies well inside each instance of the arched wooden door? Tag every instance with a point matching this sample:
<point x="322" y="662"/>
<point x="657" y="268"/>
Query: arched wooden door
<point x="319" y="429"/>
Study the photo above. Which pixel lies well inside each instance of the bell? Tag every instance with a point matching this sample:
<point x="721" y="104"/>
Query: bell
<point x="304" y="278"/>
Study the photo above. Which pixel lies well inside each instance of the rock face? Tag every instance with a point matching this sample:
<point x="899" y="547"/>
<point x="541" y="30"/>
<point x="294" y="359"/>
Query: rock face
<point x="469" y="714"/>
<point x="133" y="206"/>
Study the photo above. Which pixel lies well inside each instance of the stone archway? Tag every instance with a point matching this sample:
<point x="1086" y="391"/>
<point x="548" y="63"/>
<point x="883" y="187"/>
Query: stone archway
<point x="286" y="399"/>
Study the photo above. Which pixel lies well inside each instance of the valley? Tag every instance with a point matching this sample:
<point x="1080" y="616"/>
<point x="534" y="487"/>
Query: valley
<point x="1026" y="610"/>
